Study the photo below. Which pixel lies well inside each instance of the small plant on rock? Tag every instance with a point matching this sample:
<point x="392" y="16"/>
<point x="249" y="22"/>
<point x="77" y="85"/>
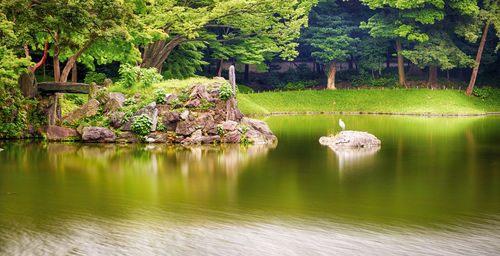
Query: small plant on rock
<point x="243" y="128"/>
<point x="129" y="102"/>
<point x="220" y="130"/>
<point x="141" y="125"/>
<point x="225" y="91"/>
<point x="160" y="96"/>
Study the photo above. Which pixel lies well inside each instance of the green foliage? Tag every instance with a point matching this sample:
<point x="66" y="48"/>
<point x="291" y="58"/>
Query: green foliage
<point x="220" y="130"/>
<point x="131" y="76"/>
<point x="184" y="61"/>
<point x="243" y="128"/>
<point x="160" y="96"/>
<point x="482" y="93"/>
<point x="225" y="91"/>
<point x="294" y="86"/>
<point x="439" y="51"/>
<point x="141" y="125"/>
<point x="161" y="127"/>
<point x="75" y="98"/>
<point x="244" y="89"/>
<point x="244" y="140"/>
<point x="129" y="102"/>
<point x="95" y="77"/>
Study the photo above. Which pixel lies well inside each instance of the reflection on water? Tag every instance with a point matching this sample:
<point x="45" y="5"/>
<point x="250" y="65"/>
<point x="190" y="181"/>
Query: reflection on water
<point x="432" y="189"/>
<point x="354" y="158"/>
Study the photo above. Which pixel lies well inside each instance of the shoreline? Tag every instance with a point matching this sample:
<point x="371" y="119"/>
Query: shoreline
<point x="374" y="113"/>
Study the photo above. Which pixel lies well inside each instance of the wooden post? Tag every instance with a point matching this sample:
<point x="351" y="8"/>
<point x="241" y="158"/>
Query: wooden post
<point x="232" y="79"/>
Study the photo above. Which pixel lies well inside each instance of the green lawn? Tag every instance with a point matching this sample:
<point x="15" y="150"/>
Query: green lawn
<point x="417" y="101"/>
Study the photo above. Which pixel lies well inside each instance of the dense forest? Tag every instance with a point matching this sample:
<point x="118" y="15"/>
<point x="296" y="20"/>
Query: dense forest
<point x="334" y="44"/>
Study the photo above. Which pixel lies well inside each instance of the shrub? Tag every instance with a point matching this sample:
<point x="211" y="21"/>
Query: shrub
<point x="160" y="96"/>
<point x="131" y="75"/>
<point x="95" y="77"/>
<point x="482" y="93"/>
<point x="244" y="89"/>
<point x="129" y="102"/>
<point x="294" y="86"/>
<point x="141" y="125"/>
<point x="225" y="91"/>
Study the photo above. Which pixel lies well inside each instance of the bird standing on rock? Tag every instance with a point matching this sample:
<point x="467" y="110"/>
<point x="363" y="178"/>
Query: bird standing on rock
<point x="342" y="125"/>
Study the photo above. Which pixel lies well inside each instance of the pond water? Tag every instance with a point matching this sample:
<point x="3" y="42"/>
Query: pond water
<point x="433" y="188"/>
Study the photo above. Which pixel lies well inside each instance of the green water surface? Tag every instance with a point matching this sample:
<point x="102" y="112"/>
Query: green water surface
<point x="433" y="176"/>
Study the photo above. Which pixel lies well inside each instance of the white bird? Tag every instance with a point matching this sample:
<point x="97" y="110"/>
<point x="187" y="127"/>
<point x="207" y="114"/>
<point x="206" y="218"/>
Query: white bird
<point x="342" y="125"/>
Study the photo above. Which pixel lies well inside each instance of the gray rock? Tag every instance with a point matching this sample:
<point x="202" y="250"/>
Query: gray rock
<point x="171" y="117"/>
<point x="232" y="137"/>
<point x="98" y="134"/>
<point x="351" y="139"/>
<point x="185" y="128"/>
<point x="170" y="98"/>
<point x="61" y="133"/>
<point x="184" y="115"/>
<point x="154" y="119"/>
<point x="210" y="139"/>
<point x="119" y="97"/>
<point x="127" y="137"/>
<point x="194" y="103"/>
<point x="159" y="137"/>
<point x="195" y="138"/>
<point x="149" y="110"/>
<point x="229" y="126"/>
<point x="116" y="119"/>
<point x="87" y="110"/>
<point x="107" y="82"/>
<point x="257" y="125"/>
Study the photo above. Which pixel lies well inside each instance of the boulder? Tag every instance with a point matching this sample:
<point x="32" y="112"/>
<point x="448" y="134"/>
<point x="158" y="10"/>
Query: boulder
<point x="210" y="139"/>
<point x="127" y="137"/>
<point x="111" y="102"/>
<point x="149" y="110"/>
<point x="61" y="133"/>
<point x="257" y="125"/>
<point x="258" y="138"/>
<point x="116" y="119"/>
<point x="107" y="82"/>
<point x="170" y="98"/>
<point x="194" y="103"/>
<point x="184" y="115"/>
<point x="159" y="137"/>
<point x="185" y="128"/>
<point x="229" y="126"/>
<point x="351" y="139"/>
<point x="195" y="138"/>
<point x="98" y="134"/>
<point x="87" y="110"/>
<point x="232" y="137"/>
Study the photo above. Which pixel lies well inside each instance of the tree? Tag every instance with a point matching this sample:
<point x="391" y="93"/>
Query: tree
<point x="71" y="28"/>
<point x="438" y="52"/>
<point x="492" y="15"/>
<point x="331" y="34"/>
<point x="400" y="20"/>
<point x="187" y="21"/>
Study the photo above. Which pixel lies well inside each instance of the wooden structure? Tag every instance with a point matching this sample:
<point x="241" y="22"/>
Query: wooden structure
<point x="50" y="88"/>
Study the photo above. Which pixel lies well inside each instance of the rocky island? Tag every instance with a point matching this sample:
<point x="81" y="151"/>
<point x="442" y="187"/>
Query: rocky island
<point x="199" y="114"/>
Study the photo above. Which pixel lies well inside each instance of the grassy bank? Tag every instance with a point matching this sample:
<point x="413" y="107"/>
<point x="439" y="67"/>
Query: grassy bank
<point x="417" y="101"/>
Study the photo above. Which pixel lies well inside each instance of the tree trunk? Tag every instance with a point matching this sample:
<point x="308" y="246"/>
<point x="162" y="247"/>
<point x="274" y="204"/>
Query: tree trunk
<point x="72" y="60"/>
<point x="57" y="68"/>
<point x="401" y="68"/>
<point x="473" y="77"/>
<point x="28" y="85"/>
<point x="156" y="53"/>
<point x="433" y="72"/>
<point x="332" y="69"/>
<point x="247" y="70"/>
<point x="74" y="75"/>
<point x="414" y="71"/>
<point x="221" y="64"/>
